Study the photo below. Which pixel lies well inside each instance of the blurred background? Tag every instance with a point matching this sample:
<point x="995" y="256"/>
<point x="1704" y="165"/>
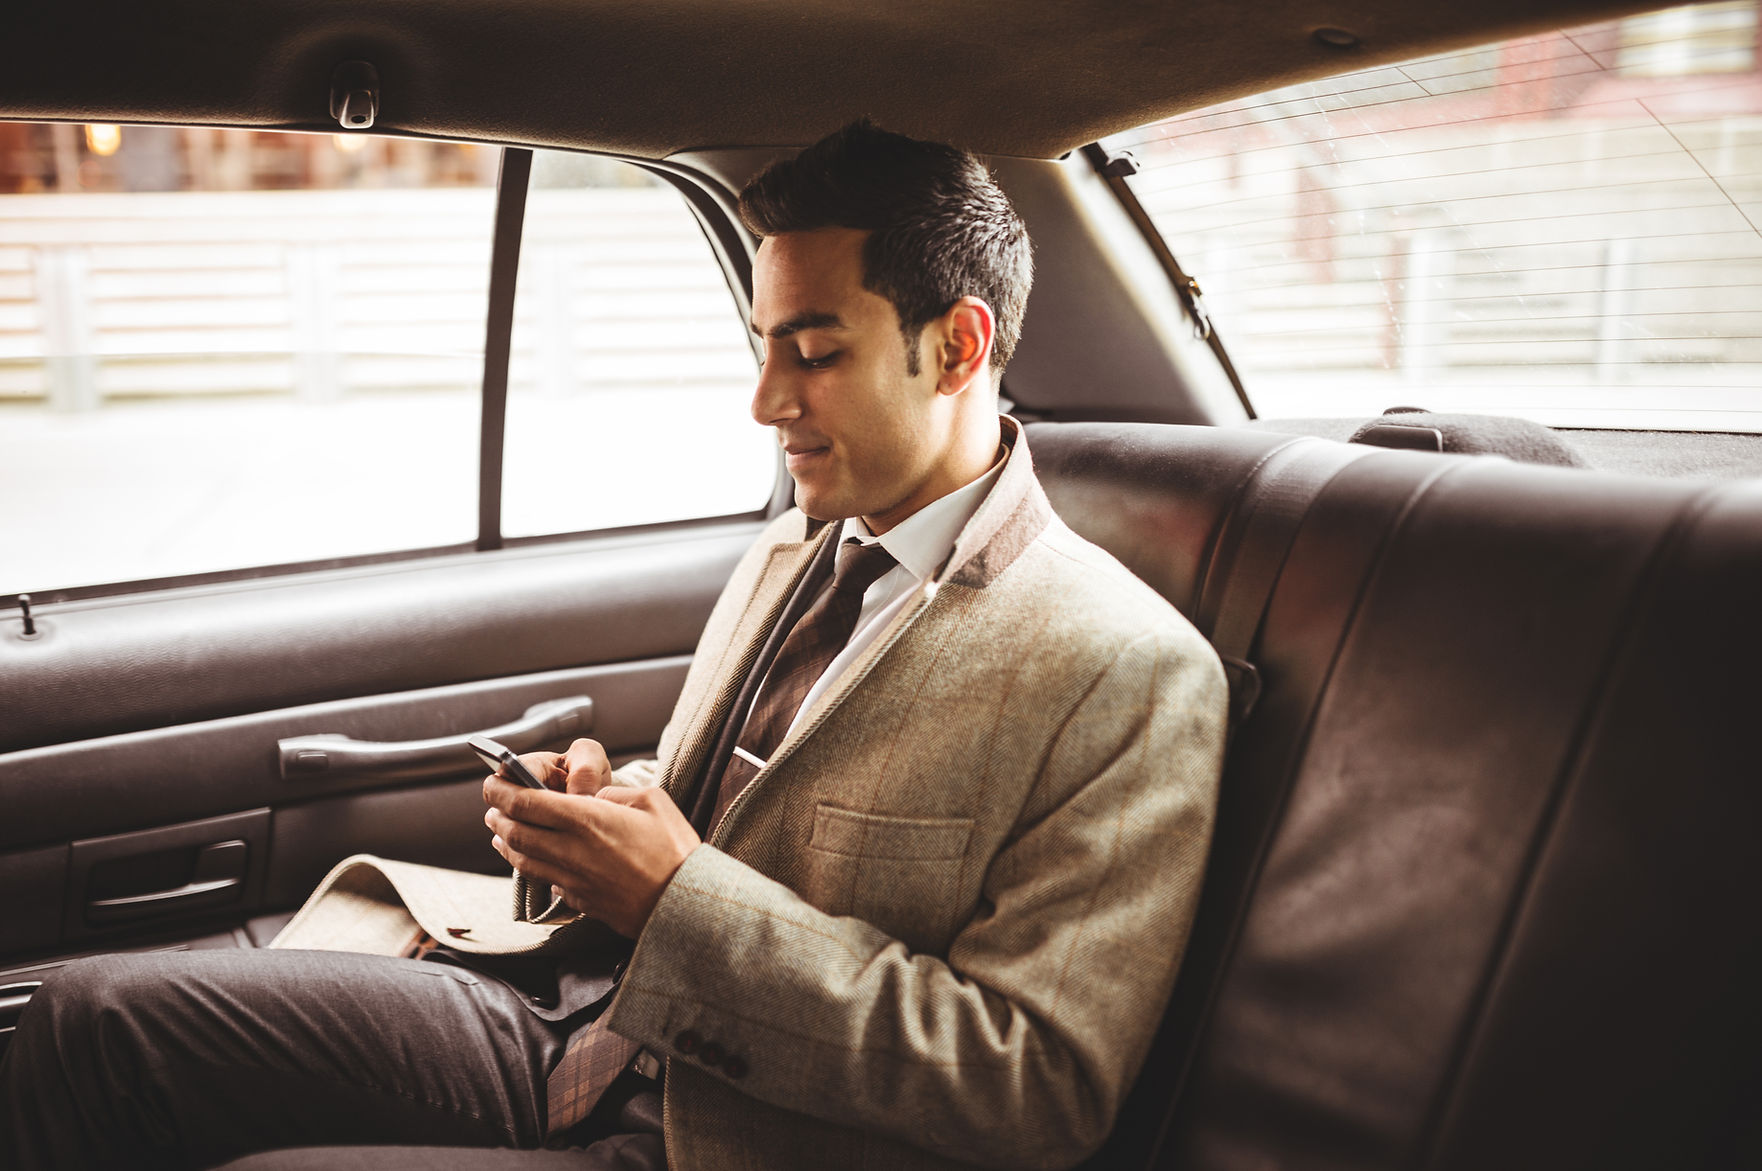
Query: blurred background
<point x="1563" y="227"/>
<point x="224" y="349"/>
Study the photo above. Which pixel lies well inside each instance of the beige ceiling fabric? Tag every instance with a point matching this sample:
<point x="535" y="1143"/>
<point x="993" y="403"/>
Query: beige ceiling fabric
<point x="652" y="78"/>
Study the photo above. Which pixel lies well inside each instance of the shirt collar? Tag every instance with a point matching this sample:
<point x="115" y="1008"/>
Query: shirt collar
<point x="923" y="540"/>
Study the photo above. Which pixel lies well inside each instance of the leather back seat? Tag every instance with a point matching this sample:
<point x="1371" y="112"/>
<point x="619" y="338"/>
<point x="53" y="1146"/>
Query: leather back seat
<point x="1482" y="890"/>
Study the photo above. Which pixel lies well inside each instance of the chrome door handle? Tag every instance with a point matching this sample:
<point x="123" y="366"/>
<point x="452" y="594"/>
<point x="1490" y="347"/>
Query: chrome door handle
<point x="13" y="998"/>
<point x="219" y="879"/>
<point x="442" y="756"/>
<point x="177" y="898"/>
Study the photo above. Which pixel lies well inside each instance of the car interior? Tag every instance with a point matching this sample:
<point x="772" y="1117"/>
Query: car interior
<point x="1476" y="896"/>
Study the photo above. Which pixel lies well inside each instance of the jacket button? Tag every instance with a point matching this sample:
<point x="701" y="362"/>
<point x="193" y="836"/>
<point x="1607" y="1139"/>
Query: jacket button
<point x="711" y="1054"/>
<point x="687" y="1042"/>
<point x="734" y="1066"/>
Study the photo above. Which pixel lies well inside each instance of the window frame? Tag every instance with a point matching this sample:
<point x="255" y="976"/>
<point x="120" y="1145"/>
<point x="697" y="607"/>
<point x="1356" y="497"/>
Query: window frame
<point x="1113" y="160"/>
<point x="1114" y="167"/>
<point x="731" y="247"/>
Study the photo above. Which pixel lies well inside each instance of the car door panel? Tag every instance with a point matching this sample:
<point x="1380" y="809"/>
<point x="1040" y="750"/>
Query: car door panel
<point x="32" y="882"/>
<point x="136" y="780"/>
<point x="150" y="803"/>
<point x="103" y="666"/>
<point x="123" y="882"/>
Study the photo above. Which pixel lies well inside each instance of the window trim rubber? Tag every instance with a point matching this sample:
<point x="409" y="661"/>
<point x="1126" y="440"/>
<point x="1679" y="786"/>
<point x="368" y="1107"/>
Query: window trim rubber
<point x="513" y="179"/>
<point x="10" y="610"/>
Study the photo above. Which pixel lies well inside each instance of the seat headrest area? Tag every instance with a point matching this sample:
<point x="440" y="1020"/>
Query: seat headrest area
<point x="1516" y="439"/>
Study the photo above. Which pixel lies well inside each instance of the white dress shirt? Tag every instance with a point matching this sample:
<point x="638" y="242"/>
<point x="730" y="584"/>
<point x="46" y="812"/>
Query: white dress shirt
<point x="920" y="543"/>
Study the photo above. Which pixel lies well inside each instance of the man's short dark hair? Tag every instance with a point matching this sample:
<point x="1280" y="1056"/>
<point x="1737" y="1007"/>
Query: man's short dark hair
<point x="940" y="227"/>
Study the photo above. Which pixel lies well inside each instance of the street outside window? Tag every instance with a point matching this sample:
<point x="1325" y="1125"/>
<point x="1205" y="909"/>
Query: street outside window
<point x="1566" y="227"/>
<point x="223" y="350"/>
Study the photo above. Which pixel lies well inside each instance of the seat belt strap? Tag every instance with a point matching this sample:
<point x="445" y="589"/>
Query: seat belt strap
<point x="1250" y="553"/>
<point x="1115" y="167"/>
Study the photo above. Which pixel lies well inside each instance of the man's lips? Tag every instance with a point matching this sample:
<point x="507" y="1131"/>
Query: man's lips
<point x="800" y="455"/>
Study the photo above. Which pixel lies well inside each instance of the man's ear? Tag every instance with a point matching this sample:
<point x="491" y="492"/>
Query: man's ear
<point x="964" y="337"/>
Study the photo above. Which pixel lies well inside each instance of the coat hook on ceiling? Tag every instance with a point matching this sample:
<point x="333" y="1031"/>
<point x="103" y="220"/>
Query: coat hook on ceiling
<point x="1337" y="38"/>
<point x="354" y="95"/>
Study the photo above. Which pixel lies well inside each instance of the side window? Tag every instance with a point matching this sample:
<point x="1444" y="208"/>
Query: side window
<point x="226" y="350"/>
<point x="631" y="373"/>
<point x="1563" y="226"/>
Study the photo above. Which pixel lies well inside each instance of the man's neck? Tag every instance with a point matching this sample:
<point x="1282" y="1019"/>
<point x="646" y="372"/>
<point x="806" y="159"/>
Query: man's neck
<point x="975" y="449"/>
<point x="923" y="540"/>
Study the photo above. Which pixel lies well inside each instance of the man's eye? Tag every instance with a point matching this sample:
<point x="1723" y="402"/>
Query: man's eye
<point x="819" y="362"/>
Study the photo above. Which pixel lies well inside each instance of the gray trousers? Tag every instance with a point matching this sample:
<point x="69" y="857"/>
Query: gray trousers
<point x="189" y="1059"/>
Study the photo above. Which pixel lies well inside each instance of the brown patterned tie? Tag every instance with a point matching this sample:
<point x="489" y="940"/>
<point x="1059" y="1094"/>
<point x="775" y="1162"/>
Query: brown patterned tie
<point x="593" y="1061"/>
<point x="806" y="653"/>
<point x="596" y="1055"/>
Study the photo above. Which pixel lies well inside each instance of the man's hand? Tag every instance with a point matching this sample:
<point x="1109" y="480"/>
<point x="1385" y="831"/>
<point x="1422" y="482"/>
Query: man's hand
<point x="583" y="769"/>
<point x="609" y="850"/>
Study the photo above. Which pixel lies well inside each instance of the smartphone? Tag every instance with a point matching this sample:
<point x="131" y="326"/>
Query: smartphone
<point x="502" y="761"/>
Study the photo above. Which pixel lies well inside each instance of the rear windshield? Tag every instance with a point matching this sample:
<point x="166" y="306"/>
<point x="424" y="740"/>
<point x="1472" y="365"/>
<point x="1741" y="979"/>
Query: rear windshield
<point x="1563" y="227"/>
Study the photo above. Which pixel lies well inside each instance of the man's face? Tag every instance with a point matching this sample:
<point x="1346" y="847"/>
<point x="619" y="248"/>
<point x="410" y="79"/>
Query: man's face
<point x="862" y="436"/>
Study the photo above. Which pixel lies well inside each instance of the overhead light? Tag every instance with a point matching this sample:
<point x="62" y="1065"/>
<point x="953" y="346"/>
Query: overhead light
<point x="102" y="138"/>
<point x="1337" y="38"/>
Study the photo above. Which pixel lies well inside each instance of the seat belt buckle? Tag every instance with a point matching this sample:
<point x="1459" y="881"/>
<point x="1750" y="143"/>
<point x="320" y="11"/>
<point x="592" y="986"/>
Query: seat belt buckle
<point x="1244" y="678"/>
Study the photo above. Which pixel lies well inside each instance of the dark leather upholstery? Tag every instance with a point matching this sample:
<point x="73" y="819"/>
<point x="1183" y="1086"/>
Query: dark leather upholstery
<point x="1482" y="888"/>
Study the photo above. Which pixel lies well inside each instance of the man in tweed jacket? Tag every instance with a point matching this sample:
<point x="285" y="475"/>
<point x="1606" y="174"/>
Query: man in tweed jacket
<point x="936" y="928"/>
<point x="940" y="925"/>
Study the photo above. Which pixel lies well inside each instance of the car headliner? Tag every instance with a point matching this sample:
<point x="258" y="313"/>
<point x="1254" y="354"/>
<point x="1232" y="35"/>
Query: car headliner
<point x="649" y="78"/>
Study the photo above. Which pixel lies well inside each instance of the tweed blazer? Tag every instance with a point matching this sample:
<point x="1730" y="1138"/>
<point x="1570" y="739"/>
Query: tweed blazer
<point x="939" y="927"/>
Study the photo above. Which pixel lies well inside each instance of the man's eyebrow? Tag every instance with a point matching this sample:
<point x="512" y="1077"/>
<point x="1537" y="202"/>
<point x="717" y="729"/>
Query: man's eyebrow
<point x="801" y="321"/>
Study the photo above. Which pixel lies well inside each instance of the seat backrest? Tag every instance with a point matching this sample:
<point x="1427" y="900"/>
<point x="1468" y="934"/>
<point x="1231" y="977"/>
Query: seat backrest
<point x="1480" y="893"/>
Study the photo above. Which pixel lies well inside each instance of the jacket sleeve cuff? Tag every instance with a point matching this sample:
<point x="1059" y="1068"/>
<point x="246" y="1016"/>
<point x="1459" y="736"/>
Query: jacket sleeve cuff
<point x="712" y="910"/>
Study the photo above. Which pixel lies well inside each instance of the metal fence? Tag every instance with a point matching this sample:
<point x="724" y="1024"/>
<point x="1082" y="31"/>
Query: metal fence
<point x="321" y="294"/>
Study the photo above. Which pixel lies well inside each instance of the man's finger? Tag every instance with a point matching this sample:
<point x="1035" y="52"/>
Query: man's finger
<point x="586" y="768"/>
<point x="535" y="868"/>
<point x="555" y="810"/>
<point x="547" y="768"/>
<point x="534" y="841"/>
<point x="626" y="795"/>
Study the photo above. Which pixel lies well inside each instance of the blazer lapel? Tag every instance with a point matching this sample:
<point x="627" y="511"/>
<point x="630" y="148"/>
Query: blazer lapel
<point x="1013" y="514"/>
<point x="778" y="582"/>
<point x="853" y="675"/>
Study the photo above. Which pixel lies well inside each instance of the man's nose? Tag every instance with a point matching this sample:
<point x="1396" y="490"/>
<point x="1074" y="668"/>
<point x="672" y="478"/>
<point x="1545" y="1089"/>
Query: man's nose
<point x="773" y="399"/>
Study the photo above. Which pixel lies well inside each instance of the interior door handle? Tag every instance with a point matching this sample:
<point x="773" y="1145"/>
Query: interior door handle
<point x="442" y="756"/>
<point x="13" y="998"/>
<point x="219" y="879"/>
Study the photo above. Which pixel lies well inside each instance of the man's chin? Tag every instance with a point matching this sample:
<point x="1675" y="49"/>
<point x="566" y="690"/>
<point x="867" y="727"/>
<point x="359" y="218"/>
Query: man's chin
<point x="824" y="514"/>
<point x="821" y="508"/>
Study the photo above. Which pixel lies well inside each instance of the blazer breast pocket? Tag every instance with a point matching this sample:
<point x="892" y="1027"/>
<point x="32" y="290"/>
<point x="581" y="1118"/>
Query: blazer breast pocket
<point x="900" y="874"/>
